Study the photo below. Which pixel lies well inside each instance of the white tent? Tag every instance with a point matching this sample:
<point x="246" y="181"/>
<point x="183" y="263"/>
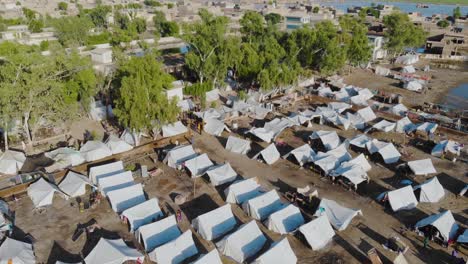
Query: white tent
<point x="158" y="233"/>
<point x="11" y="161"/>
<point x="42" y="193"/>
<point x="279" y="252"/>
<point x="359" y="100"/>
<point x="407" y="59"/>
<point x="405" y="125"/>
<point x="356" y="121"/>
<point x="431" y="191"/>
<point x="339" y="107"/>
<point x="263" y="205"/>
<point x="105" y="170"/>
<point x="115" y="181"/>
<point x="332" y="159"/>
<point x="384" y="126"/>
<point x="175" y="251"/>
<point x="463" y="191"/>
<point x="303" y="154"/>
<point x="413" y="86"/>
<point x="463" y="238"/>
<point x="238" y="145"/>
<point x="215" y="223"/>
<point x="272" y="129"/>
<point x="324" y="91"/>
<point x="422" y="167"/>
<point x="387" y="151"/>
<point x="74" y="184"/>
<point x="444" y="222"/>
<point x="178" y="155"/>
<point x="117" y="145"/>
<point x="243" y="243"/>
<point x="262" y="133"/>
<point x="174" y="129"/>
<point x="446" y="146"/>
<point x="360" y="140"/>
<point x="186" y="105"/>
<point x="269" y="154"/>
<point x="221" y="174"/>
<point x="132" y="138"/>
<point x="16" y="252"/>
<point x="366" y="114"/>
<point x="65" y="157"/>
<point x="198" y="165"/>
<point x="339" y="216"/>
<point x="318" y="232"/>
<point x="330" y="139"/>
<point x="427" y="127"/>
<point x="125" y="198"/>
<point x="241" y="191"/>
<point x="399" y="109"/>
<point x="95" y="150"/>
<point x="112" y="251"/>
<point x="408" y="69"/>
<point x="212" y="95"/>
<point x="142" y="214"/>
<point x="285" y="220"/>
<point x="210" y="113"/>
<point x="402" y="199"/>
<point x="260" y="112"/>
<point x="382" y="71"/>
<point x="215" y="127"/>
<point x="354" y="170"/>
<point x="211" y="257"/>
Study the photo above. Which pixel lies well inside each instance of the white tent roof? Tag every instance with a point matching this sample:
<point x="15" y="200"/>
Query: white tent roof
<point x="332" y="159"/>
<point x="407" y="59"/>
<point x="11" y="161"/>
<point x="115" y="181"/>
<point x="113" y="251"/>
<point x="431" y="191"/>
<point x="215" y="223"/>
<point x="303" y="154"/>
<point x="176" y="251"/>
<point x="263" y="205"/>
<point x="42" y="192"/>
<point x="198" y="165"/>
<point x="384" y="126"/>
<point x="105" y="170"/>
<point x="318" y="232"/>
<point x="272" y="129"/>
<point x="211" y="258"/>
<point x="212" y="95"/>
<point x="174" y="129"/>
<point x="446" y="146"/>
<point x="413" y="86"/>
<point x="244" y="243"/>
<point x="210" y="113"/>
<point x="270" y="154"/>
<point x="402" y="199"/>
<point x="215" y="127"/>
<point x="238" y="145"/>
<point x="366" y="114"/>
<point x="360" y="140"/>
<point x="399" y="109"/>
<point x="127" y="197"/>
<point x="359" y="100"/>
<point x="356" y="121"/>
<point x="285" y="220"/>
<point x="262" y="133"/>
<point x="387" y="150"/>
<point x="330" y="139"/>
<point x="241" y="191"/>
<point x="422" y="167"/>
<point x="260" y="112"/>
<point x="354" y="170"/>
<point x="408" y="69"/>
<point x="463" y="238"/>
<point x="117" y="145"/>
<point x="65" y="157"/>
<point x="178" y="155"/>
<point x="186" y="105"/>
<point x="279" y="252"/>
<point x="427" y="127"/>
<point x="382" y="71"/>
<point x="220" y="174"/>
<point x="158" y="233"/>
<point x="16" y="251"/>
<point x="74" y="184"/>
<point x="361" y="161"/>
<point x="324" y="91"/>
<point x="132" y="138"/>
<point x="95" y="150"/>
<point x="405" y="125"/>
<point x="444" y="222"/>
<point x="339" y="106"/>
<point x="142" y="214"/>
<point x="339" y="216"/>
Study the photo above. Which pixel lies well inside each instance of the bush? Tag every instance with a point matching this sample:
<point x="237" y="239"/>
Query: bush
<point x="152" y="3"/>
<point x="130" y="167"/>
<point x="242" y="95"/>
<point x="98" y="39"/>
<point x="62" y="6"/>
<point x="315" y="10"/>
<point x="443" y="23"/>
<point x="170" y="5"/>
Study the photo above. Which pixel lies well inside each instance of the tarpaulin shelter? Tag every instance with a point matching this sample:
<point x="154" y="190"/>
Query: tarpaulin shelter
<point x="262" y="206"/>
<point x="175" y="251"/>
<point x="279" y="252"/>
<point x="215" y="127"/>
<point x="178" y="155"/>
<point x="329" y="139"/>
<point x="95" y="150"/>
<point x="173" y="129"/>
<point x="240" y="191"/>
<point x="366" y="114"/>
<point x="211" y="257"/>
<point x="359" y="100"/>
<point x="112" y="251"/>
<point x="105" y="170"/>
<point x="74" y="184"/>
<point x="431" y="191"/>
<point x="332" y="159"/>
<point x="212" y="95"/>
<point x="238" y="145"/>
<point x="463" y="238"/>
<point x="422" y="167"/>
<point x="143" y="213"/>
<point x="210" y="113"/>
<point x="408" y="69"/>
<point x="42" y="193"/>
<point x="199" y="165"/>
<point x="221" y="174"/>
<point x="339" y="216"/>
<point x="285" y="220"/>
<point x="215" y="223"/>
<point x="132" y="138"/>
<point x="186" y="105"/>
<point x="354" y="170"/>
<point x="360" y="141"/>
<point x="318" y="232"/>
<point x="382" y="71"/>
<point x="405" y="125"/>
<point x="399" y="109"/>
<point x="339" y="107"/>
<point x="11" y="162"/>
<point x="356" y="121"/>
<point x="407" y="59"/>
<point x="384" y="126"/>
<point x="387" y="151"/>
<point x="125" y="198"/>
<point x="303" y="154"/>
<point x="117" y="145"/>
<point x="243" y="243"/>
<point x="272" y="129"/>
<point x="444" y="222"/>
<point x="65" y="157"/>
<point x="413" y="86"/>
<point x="158" y="233"/>
<point x="402" y="199"/>
<point x="115" y="181"/>
<point x="427" y="127"/>
<point x="446" y="146"/>
<point x="269" y="154"/>
<point x="14" y="251"/>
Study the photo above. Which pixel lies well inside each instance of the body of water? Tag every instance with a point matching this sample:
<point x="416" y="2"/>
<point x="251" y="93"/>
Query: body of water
<point x="458" y="97"/>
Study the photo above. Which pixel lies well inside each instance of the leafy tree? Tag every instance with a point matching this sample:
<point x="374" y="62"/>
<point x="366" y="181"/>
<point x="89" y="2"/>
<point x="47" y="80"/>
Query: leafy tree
<point x="98" y="15"/>
<point x="169" y="28"/>
<point x="139" y="24"/>
<point x="457" y="12"/>
<point x="273" y="18"/>
<point x="62" y="6"/>
<point x="28" y="13"/>
<point x="252" y="26"/>
<point x="402" y="33"/>
<point x="152" y="3"/>
<point x="355" y="39"/>
<point x="316" y="10"/>
<point x="102" y="38"/>
<point x="443" y="23"/>
<point x="170" y="5"/>
<point x="36" y="25"/>
<point x="72" y="30"/>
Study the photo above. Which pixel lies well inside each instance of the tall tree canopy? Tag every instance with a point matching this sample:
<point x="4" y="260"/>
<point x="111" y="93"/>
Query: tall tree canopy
<point x="354" y="36"/>
<point x="402" y="33"/>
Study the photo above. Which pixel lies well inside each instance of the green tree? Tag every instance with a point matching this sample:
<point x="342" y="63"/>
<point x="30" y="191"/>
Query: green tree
<point x="402" y="33"/>
<point x="98" y="15"/>
<point x="316" y="10"/>
<point x="62" y="6"/>
<point x="273" y="18"/>
<point x="139" y="24"/>
<point x="170" y="5"/>
<point x="252" y="26"/>
<point x="443" y="23"/>
<point x="152" y="3"/>
<point x="169" y="29"/>
<point x="72" y="30"/>
<point x="28" y="13"/>
<point x="457" y="12"/>
<point x="354" y="37"/>
<point x="36" y="25"/>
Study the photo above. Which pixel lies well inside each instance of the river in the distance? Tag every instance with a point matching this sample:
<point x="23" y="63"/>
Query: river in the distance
<point x="458" y="97"/>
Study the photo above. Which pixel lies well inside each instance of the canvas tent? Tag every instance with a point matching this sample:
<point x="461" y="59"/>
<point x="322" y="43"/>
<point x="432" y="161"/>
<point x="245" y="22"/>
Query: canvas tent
<point x="132" y="138"/>
<point x="221" y="174"/>
<point x="95" y="150"/>
<point x="399" y="109"/>
<point x="318" y="232"/>
<point x="413" y="86"/>
<point x="356" y="121"/>
<point x="105" y="170"/>
<point x="74" y="184"/>
<point x="303" y="154"/>
<point x="11" y="161"/>
<point x="14" y="251"/>
<point x="179" y="155"/>
<point x="175" y="251"/>
<point x="215" y="223"/>
<point x="269" y="154"/>
<point x="427" y="127"/>
<point x="215" y="127"/>
<point x="208" y="114"/>
<point x="407" y="59"/>
<point x="463" y="238"/>
<point x="158" y="233"/>
<point x="339" y="216"/>
<point x="243" y="243"/>
<point x="354" y="170"/>
<point x="444" y="222"/>
<point x="332" y="159"/>
<point x="286" y="220"/>
<point x="382" y="71"/>
<point x="115" y="181"/>
<point x="142" y="214"/>
<point x="366" y="114"/>
<point x="198" y="165"/>
<point x="65" y="157"/>
<point x="384" y="126"/>
<point x="405" y="125"/>
<point x="279" y="252"/>
<point x="174" y="129"/>
<point x="237" y="145"/>
<point x="263" y="205"/>
<point x="422" y="167"/>
<point x="241" y="191"/>
<point x="125" y="198"/>
<point x="329" y="139"/>
<point x="212" y="95"/>
<point x="42" y="193"/>
<point x="387" y="151"/>
<point x="186" y="105"/>
<point x="360" y="141"/>
<point x="408" y="69"/>
<point x="211" y="258"/>
<point x="431" y="191"/>
<point x="117" y="145"/>
<point x="112" y="251"/>
<point x="339" y="107"/>
<point x="402" y="199"/>
<point x="446" y="146"/>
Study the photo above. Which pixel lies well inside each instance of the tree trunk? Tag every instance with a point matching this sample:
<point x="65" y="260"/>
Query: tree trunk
<point x="5" y="137"/>
<point x="26" y="129"/>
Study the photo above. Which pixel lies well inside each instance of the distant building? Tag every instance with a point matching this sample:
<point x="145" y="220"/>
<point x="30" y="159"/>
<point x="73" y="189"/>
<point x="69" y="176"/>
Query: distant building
<point x="295" y="20"/>
<point x="376" y="41"/>
<point x="446" y="44"/>
<point x="101" y="56"/>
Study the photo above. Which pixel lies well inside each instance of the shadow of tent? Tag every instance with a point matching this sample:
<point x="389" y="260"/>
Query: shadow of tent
<point x="364" y="246"/>
<point x="255" y="148"/>
<point x="58" y="253"/>
<point x="351" y="249"/>
<point x="36" y="162"/>
<point x="282" y="187"/>
<point x="371" y="189"/>
<point x="198" y="206"/>
<point x="450" y="183"/>
<point x="222" y="141"/>
<point x="372" y="234"/>
<point x="94" y="237"/>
